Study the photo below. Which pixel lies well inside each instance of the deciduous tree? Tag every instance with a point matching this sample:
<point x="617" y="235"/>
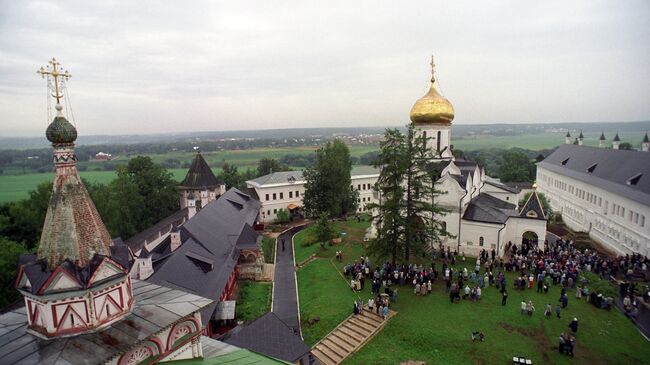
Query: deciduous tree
<point x="328" y="182"/>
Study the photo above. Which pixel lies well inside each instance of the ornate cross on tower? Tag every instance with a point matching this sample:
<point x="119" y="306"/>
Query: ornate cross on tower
<point x="433" y="70"/>
<point x="55" y="72"/>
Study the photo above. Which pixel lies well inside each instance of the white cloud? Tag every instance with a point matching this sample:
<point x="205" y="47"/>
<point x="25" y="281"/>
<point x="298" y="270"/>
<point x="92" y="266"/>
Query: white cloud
<point x="142" y="67"/>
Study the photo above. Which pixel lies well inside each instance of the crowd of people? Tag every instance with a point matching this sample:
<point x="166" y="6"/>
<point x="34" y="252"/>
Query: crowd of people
<point x="536" y="268"/>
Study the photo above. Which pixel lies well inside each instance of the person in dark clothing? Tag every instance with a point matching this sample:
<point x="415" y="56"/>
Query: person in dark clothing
<point x="283" y="245"/>
<point x="574" y="325"/>
<point x="504" y="297"/>
<point x="569" y="344"/>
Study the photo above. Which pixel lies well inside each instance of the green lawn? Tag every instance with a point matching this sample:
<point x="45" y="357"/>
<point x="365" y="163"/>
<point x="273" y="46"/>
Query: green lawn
<point x="254" y="299"/>
<point x="305" y="243"/>
<point x="268" y="247"/>
<point x="434" y="330"/>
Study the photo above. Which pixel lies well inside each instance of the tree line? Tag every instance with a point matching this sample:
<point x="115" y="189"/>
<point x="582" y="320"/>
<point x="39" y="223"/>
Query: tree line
<point x="142" y="194"/>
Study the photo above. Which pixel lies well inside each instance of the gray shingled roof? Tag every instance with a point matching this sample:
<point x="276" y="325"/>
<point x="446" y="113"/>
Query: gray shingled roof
<point x="209" y="254"/>
<point x="199" y="175"/>
<point x="155" y="308"/>
<point x="505" y="187"/>
<point x="283" y="177"/>
<point x="270" y="336"/>
<point x="488" y="209"/>
<point x="136" y="242"/>
<point x="613" y="170"/>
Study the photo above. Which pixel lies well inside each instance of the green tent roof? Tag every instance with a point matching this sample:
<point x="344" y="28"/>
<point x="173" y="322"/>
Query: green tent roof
<point x="239" y="357"/>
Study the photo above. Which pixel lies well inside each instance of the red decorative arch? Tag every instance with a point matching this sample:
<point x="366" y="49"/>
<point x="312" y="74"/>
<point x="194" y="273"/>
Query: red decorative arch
<point x="148" y="349"/>
<point x="180" y="330"/>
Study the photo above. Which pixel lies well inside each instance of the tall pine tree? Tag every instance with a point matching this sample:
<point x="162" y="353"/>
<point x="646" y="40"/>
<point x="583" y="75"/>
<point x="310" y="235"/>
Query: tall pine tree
<point x="388" y="216"/>
<point x="407" y="216"/>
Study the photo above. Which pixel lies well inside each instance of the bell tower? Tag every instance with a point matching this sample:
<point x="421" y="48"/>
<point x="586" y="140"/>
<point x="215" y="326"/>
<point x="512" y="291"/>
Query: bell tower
<point x="432" y="115"/>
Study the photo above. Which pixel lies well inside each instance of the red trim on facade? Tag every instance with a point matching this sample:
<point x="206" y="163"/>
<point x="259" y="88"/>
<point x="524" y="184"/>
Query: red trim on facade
<point x="21" y="271"/>
<point x="63" y="317"/>
<point x="47" y="283"/>
<point x="104" y="261"/>
<point x="56" y="322"/>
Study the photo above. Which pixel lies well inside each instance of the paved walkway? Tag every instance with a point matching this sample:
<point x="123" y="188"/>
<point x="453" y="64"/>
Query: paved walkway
<point x="285" y="292"/>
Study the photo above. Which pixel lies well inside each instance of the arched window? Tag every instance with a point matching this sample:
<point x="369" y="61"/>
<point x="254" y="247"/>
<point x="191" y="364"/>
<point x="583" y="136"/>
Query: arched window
<point x="480" y="241"/>
<point x="444" y="226"/>
<point x="424" y="134"/>
<point x="438" y="140"/>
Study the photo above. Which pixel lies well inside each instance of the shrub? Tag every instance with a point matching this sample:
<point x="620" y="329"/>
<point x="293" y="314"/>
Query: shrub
<point x="283" y="216"/>
<point x="598" y="285"/>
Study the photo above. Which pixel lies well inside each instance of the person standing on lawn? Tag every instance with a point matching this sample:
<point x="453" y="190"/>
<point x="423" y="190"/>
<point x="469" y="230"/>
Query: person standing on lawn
<point x="558" y="309"/>
<point x="504" y="296"/>
<point x="565" y="300"/>
<point x="530" y="308"/>
<point x="574" y="325"/>
<point x="549" y="311"/>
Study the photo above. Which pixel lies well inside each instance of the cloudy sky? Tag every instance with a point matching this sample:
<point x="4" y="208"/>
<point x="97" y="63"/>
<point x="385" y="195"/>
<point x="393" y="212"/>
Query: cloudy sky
<point x="145" y="66"/>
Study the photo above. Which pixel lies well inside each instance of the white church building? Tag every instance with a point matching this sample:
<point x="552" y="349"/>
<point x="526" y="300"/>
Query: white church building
<point x="482" y="213"/>
<point x="602" y="191"/>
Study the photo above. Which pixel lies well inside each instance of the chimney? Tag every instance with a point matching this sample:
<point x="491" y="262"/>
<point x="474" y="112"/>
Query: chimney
<point x="616" y="142"/>
<point x="175" y="236"/>
<point x="567" y="138"/>
<point x="191" y="205"/>
<point x="645" y="145"/>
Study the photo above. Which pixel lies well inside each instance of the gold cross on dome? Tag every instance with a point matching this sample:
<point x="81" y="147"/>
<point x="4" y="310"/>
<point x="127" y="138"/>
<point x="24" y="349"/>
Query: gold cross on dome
<point x="433" y="70"/>
<point x="55" y="72"/>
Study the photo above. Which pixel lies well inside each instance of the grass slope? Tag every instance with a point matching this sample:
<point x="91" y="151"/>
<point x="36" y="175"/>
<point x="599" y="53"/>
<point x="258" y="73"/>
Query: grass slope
<point x="254" y="299"/>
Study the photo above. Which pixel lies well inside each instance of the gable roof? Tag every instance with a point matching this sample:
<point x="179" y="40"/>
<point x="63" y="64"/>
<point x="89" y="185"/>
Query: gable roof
<point x="489" y="209"/>
<point x="291" y="177"/>
<point x="199" y="176"/>
<point x="136" y="242"/>
<point x="270" y="336"/>
<point x="533" y="208"/>
<point x="502" y="186"/>
<point x="615" y="169"/>
<point x="209" y="251"/>
<point x="282" y="177"/>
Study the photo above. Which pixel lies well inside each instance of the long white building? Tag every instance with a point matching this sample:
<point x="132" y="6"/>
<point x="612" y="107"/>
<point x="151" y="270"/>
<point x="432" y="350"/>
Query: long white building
<point x="285" y="190"/>
<point x="604" y="192"/>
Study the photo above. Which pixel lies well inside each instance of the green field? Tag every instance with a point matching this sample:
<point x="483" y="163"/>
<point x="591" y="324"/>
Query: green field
<point x="17" y="186"/>
<point x="434" y="330"/>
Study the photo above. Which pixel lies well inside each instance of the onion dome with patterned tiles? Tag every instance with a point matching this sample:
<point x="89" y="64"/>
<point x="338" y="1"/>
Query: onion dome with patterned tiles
<point x="61" y="131"/>
<point x="76" y="261"/>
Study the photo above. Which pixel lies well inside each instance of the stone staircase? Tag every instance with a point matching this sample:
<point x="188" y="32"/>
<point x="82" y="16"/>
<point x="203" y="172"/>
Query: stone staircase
<point x="348" y="337"/>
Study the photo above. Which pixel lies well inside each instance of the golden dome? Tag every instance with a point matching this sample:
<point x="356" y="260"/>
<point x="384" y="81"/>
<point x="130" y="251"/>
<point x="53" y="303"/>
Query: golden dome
<point x="432" y="108"/>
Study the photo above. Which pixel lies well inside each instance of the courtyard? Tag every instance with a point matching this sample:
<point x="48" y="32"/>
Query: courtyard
<point x="430" y="328"/>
